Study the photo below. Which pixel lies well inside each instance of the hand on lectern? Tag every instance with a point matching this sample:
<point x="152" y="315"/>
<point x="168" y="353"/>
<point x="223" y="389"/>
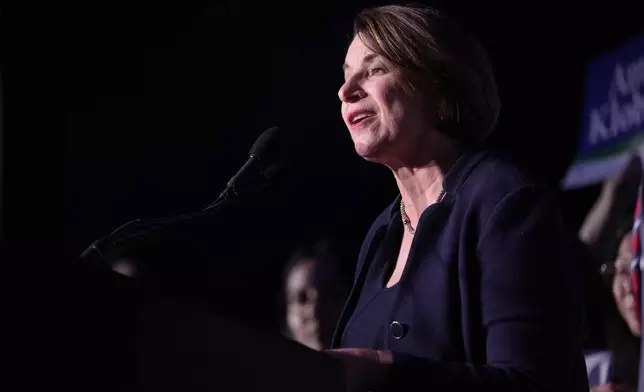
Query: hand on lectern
<point x="364" y="369"/>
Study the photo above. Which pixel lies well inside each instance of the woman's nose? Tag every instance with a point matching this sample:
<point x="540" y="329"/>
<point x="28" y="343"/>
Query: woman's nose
<point x="350" y="92"/>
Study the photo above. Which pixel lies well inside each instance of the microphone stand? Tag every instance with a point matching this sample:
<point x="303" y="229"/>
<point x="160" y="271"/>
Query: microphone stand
<point x="98" y="252"/>
<point x="135" y="229"/>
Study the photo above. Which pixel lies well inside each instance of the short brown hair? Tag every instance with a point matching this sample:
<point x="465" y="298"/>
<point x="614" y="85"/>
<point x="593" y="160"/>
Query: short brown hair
<point x="438" y="58"/>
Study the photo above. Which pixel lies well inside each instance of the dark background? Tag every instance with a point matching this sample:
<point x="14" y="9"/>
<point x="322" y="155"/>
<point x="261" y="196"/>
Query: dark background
<point x="164" y="100"/>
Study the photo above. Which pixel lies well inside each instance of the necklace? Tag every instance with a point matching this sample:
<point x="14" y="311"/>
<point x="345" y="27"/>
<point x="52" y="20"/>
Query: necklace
<point x="405" y="218"/>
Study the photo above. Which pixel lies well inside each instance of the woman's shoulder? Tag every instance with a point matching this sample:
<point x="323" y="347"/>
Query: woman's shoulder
<point x="498" y="172"/>
<point x="494" y="176"/>
<point x="504" y="168"/>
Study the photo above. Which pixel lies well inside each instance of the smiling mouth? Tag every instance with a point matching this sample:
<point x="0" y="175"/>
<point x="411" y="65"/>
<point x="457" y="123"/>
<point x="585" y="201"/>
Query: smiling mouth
<point x="361" y="118"/>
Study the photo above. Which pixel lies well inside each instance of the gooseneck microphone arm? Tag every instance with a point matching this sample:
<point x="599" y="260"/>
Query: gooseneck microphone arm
<point x="135" y="229"/>
<point x="232" y="189"/>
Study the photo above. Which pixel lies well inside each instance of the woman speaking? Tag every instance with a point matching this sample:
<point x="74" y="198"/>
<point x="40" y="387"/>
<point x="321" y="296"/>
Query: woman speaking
<point x="464" y="282"/>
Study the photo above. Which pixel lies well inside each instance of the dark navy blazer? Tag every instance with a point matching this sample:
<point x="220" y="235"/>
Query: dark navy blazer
<point x="490" y="298"/>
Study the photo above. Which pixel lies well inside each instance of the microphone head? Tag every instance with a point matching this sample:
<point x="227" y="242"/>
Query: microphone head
<point x="281" y="149"/>
<point x="270" y="145"/>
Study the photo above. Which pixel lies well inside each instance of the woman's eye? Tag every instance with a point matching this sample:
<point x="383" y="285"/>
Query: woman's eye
<point x="376" y="71"/>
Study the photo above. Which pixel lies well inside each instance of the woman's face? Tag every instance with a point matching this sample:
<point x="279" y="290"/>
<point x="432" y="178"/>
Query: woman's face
<point x="385" y="122"/>
<point x="622" y="289"/>
<point x="314" y="303"/>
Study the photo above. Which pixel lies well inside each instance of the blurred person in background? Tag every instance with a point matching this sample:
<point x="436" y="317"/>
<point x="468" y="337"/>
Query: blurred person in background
<point x="315" y="290"/>
<point x="624" y="329"/>
<point x="622" y="286"/>
<point x="607" y="233"/>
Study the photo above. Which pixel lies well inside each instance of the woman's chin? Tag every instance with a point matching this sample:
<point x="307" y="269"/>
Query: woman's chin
<point x="368" y="151"/>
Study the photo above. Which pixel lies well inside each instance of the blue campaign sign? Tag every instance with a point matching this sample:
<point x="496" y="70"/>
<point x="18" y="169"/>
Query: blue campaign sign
<point x="613" y="116"/>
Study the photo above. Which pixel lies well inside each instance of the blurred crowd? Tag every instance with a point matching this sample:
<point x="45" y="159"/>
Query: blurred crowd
<point x="607" y="246"/>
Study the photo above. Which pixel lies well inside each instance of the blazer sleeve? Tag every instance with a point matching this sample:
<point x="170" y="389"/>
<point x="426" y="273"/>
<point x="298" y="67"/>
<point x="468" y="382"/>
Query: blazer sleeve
<point x="531" y="306"/>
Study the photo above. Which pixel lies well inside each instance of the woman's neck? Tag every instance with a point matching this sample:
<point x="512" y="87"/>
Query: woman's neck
<point x="421" y="186"/>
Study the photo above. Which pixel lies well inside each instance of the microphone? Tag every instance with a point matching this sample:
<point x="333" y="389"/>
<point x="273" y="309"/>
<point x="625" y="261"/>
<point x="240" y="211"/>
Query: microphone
<point x="268" y="157"/>
<point x="268" y="149"/>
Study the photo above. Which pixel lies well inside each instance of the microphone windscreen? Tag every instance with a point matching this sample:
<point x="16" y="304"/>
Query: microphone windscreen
<point x="270" y="144"/>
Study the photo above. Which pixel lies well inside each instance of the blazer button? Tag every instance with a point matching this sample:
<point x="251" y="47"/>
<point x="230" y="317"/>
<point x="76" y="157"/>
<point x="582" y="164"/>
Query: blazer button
<point x="397" y="330"/>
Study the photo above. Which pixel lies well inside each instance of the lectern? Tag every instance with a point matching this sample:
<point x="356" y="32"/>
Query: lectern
<point x="182" y="347"/>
